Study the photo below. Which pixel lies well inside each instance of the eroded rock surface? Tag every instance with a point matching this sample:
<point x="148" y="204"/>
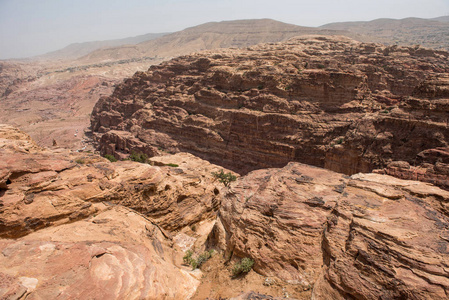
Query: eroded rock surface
<point x="116" y="254"/>
<point x="367" y="236"/>
<point x="326" y="101"/>
<point x="40" y="188"/>
<point x="74" y="225"/>
<point x="387" y="239"/>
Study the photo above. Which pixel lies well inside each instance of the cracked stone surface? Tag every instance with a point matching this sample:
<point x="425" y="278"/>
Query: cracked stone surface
<point x="367" y="236"/>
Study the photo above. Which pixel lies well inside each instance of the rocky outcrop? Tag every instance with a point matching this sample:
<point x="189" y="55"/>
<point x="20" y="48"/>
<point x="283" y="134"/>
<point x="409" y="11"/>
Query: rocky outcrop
<point x="41" y="188"/>
<point x="387" y="239"/>
<point x="368" y="236"/>
<point x="326" y="101"/>
<point x="76" y="226"/>
<point x="115" y="254"/>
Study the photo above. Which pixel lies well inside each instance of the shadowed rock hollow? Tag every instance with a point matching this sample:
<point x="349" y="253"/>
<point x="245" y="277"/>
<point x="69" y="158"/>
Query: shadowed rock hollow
<point x="326" y="101"/>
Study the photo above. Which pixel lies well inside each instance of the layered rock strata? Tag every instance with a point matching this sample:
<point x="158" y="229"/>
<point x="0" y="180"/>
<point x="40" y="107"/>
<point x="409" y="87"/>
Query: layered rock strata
<point x="367" y="236"/>
<point x="64" y="232"/>
<point x="326" y="101"/>
<point x="41" y="188"/>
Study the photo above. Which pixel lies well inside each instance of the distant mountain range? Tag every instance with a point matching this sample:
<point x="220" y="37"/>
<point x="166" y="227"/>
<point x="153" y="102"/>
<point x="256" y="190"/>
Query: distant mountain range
<point x="77" y="50"/>
<point x="38" y="94"/>
<point x="240" y="33"/>
<point x="432" y="33"/>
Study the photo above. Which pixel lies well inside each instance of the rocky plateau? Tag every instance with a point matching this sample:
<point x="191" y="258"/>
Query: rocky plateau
<point x="330" y="102"/>
<point x="339" y="148"/>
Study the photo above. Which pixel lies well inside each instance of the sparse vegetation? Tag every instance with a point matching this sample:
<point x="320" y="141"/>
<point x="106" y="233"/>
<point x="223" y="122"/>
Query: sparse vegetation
<point x="321" y="66"/>
<point x="139" y="157"/>
<point x="80" y="161"/>
<point x="260" y="87"/>
<point x="244" y="266"/>
<point x="188" y="257"/>
<point x="225" y="178"/>
<point x="201" y="259"/>
<point x="172" y="165"/>
<point x="110" y="157"/>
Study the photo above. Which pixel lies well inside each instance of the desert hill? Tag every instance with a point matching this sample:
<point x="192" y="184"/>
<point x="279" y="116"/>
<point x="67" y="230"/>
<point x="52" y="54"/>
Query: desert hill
<point x="431" y="33"/>
<point x="298" y="119"/>
<point x="214" y="35"/>
<point x="77" y="50"/>
<point x="52" y="99"/>
<point x="442" y="19"/>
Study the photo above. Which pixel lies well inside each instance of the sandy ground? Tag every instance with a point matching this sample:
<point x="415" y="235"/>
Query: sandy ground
<point x="217" y="283"/>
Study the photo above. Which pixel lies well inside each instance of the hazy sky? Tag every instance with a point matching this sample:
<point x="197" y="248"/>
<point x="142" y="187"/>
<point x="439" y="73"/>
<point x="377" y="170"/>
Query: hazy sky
<point x="32" y="27"/>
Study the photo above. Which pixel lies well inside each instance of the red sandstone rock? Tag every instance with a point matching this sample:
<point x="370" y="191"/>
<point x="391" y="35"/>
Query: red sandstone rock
<point x="326" y="101"/>
<point x="116" y="254"/>
<point x="44" y="188"/>
<point x="367" y="236"/>
<point x="65" y="233"/>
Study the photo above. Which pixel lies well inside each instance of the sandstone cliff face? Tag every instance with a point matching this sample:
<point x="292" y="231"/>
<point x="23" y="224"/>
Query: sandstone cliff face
<point x="330" y="102"/>
<point x="367" y="236"/>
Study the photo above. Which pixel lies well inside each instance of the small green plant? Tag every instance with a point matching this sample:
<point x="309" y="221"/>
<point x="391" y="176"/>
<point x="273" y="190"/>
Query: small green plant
<point x="188" y="257"/>
<point x="110" y="157"/>
<point x="260" y="87"/>
<point x="244" y="266"/>
<point x="203" y="258"/>
<point x="225" y="178"/>
<point x="340" y="140"/>
<point x="196" y="263"/>
<point x="80" y="161"/>
<point x="172" y="165"/>
<point x="193" y="227"/>
<point x="321" y="66"/>
<point x="139" y="157"/>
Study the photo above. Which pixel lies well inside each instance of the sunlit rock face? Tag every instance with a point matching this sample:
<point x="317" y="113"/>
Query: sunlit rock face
<point x="326" y="101"/>
<point x="367" y="236"/>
